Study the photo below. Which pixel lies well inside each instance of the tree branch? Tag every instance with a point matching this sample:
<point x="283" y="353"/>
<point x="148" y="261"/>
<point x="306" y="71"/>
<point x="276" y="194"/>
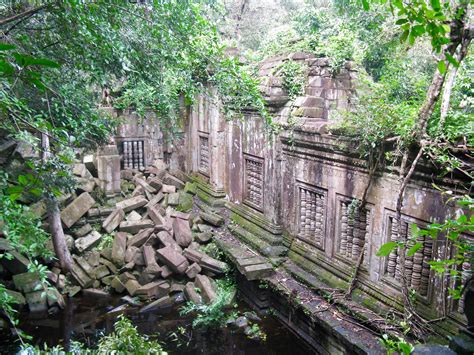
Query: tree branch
<point x="29" y="12"/>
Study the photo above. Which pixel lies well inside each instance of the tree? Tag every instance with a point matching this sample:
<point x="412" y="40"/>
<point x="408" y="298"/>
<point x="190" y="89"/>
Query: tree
<point x="57" y="59"/>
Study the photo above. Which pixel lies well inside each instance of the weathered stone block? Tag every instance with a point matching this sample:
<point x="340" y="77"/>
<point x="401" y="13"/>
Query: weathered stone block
<point x="258" y="271"/>
<point x="155" y="183"/>
<point x="93" y="258"/>
<point x="118" y="248"/>
<point x="113" y="220"/>
<point x="212" y="218"/>
<point x="132" y="203"/>
<point x="182" y="232"/>
<point x="81" y="171"/>
<point x="88" y="241"/>
<point x="108" y="169"/>
<point x="191" y="294"/>
<point x="204" y="237"/>
<point x="149" y="255"/>
<point x="85" y="229"/>
<point x="37" y="301"/>
<point x="215" y="266"/>
<point x="154" y="289"/>
<point x="78" y="208"/>
<point x="134" y="227"/>
<point x="173" y="199"/>
<point x="207" y="288"/>
<point x="117" y="285"/>
<point x="27" y="282"/>
<point x="168" y="189"/>
<point x="140" y="238"/>
<point x="155" y="200"/>
<point x="132" y="286"/>
<point x="163" y="302"/>
<point x="193" y="270"/>
<point x="166" y="271"/>
<point x="192" y="255"/>
<point x="173" y="259"/>
<point x="144" y="185"/>
<point x="85" y="185"/>
<point x="101" y="271"/>
<point x="133" y="216"/>
<point x="171" y="180"/>
<point x="155" y="215"/>
<point x="80" y="276"/>
<point x="17" y="264"/>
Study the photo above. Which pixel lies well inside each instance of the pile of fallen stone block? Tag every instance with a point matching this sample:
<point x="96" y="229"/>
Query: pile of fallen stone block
<point x="156" y="237"/>
<point x="144" y="243"/>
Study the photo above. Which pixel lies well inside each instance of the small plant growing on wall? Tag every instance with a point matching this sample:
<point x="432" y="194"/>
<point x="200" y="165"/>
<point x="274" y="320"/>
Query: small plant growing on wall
<point x="293" y="78"/>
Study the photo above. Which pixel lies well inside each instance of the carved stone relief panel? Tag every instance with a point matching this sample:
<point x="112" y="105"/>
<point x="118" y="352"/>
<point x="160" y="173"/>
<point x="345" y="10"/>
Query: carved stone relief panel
<point x="253" y="181"/>
<point x="417" y="267"/>
<point x="311" y="208"/>
<point x="133" y="154"/>
<point x="352" y="230"/>
<point x="204" y="153"/>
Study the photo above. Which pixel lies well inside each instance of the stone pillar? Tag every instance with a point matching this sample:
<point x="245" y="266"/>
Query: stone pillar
<point x="108" y="169"/>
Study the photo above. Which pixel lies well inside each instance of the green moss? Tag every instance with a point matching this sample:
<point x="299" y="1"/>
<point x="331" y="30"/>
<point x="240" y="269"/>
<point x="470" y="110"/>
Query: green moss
<point x="185" y="202"/>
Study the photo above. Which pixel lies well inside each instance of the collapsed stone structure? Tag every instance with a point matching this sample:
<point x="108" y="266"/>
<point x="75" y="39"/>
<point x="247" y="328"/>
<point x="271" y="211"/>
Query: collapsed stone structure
<point x="293" y="197"/>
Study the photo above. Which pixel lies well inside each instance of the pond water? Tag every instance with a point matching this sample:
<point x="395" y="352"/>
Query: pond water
<point x="85" y="319"/>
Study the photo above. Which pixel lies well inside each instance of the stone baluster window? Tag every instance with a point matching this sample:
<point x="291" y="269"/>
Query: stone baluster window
<point x="204" y="154"/>
<point x="353" y="231"/>
<point x="311" y="216"/>
<point x="253" y="182"/>
<point x="417" y="267"/>
<point x="133" y="154"/>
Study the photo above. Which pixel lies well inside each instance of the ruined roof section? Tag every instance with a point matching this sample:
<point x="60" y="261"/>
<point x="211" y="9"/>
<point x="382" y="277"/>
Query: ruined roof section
<point x="325" y="92"/>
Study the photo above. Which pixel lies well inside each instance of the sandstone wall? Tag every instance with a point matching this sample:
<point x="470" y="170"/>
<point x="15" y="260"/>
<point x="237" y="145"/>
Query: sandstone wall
<point x="295" y="194"/>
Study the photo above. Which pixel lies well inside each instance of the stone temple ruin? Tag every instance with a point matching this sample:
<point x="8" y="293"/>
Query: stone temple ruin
<point x="290" y="196"/>
<point x="291" y="202"/>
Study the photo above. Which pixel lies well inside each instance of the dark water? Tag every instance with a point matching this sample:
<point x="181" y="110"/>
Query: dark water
<point x="86" y="319"/>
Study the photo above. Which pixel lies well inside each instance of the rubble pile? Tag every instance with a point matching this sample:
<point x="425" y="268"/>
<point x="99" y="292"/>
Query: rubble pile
<point x="144" y="243"/>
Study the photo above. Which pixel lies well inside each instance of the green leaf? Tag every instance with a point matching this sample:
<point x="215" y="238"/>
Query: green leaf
<point x="6" y="46"/>
<point x="404" y="36"/>
<point x="435" y="4"/>
<point x="452" y="60"/>
<point x="365" y="5"/>
<point x="415" y="230"/>
<point x="414" y="249"/>
<point x="44" y="62"/>
<point x="442" y="66"/>
<point x="387" y="248"/>
<point x="401" y="21"/>
<point x="15" y="190"/>
<point x="23" y="180"/>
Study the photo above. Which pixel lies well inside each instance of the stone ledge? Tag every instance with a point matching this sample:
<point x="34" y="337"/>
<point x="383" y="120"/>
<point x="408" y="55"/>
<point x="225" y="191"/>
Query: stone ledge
<point x="255" y="218"/>
<point x="254" y="241"/>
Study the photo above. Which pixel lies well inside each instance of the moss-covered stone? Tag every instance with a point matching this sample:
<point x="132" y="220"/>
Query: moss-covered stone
<point x="185" y="202"/>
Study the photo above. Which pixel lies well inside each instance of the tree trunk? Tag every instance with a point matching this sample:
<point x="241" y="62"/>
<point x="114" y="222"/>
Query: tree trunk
<point x="449" y="84"/>
<point x="59" y="240"/>
<point x="55" y="226"/>
<point x="238" y="32"/>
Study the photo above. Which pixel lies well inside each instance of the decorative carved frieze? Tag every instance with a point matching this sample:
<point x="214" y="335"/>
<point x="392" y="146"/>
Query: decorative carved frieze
<point x="353" y="230"/>
<point x="253" y="181"/>
<point x="312" y="214"/>
<point x="417" y="269"/>
<point x="133" y="154"/>
<point x="204" y="154"/>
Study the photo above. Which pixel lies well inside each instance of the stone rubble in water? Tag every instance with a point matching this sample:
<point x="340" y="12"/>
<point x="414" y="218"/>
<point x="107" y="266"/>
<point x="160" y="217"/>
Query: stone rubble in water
<point x="148" y="245"/>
